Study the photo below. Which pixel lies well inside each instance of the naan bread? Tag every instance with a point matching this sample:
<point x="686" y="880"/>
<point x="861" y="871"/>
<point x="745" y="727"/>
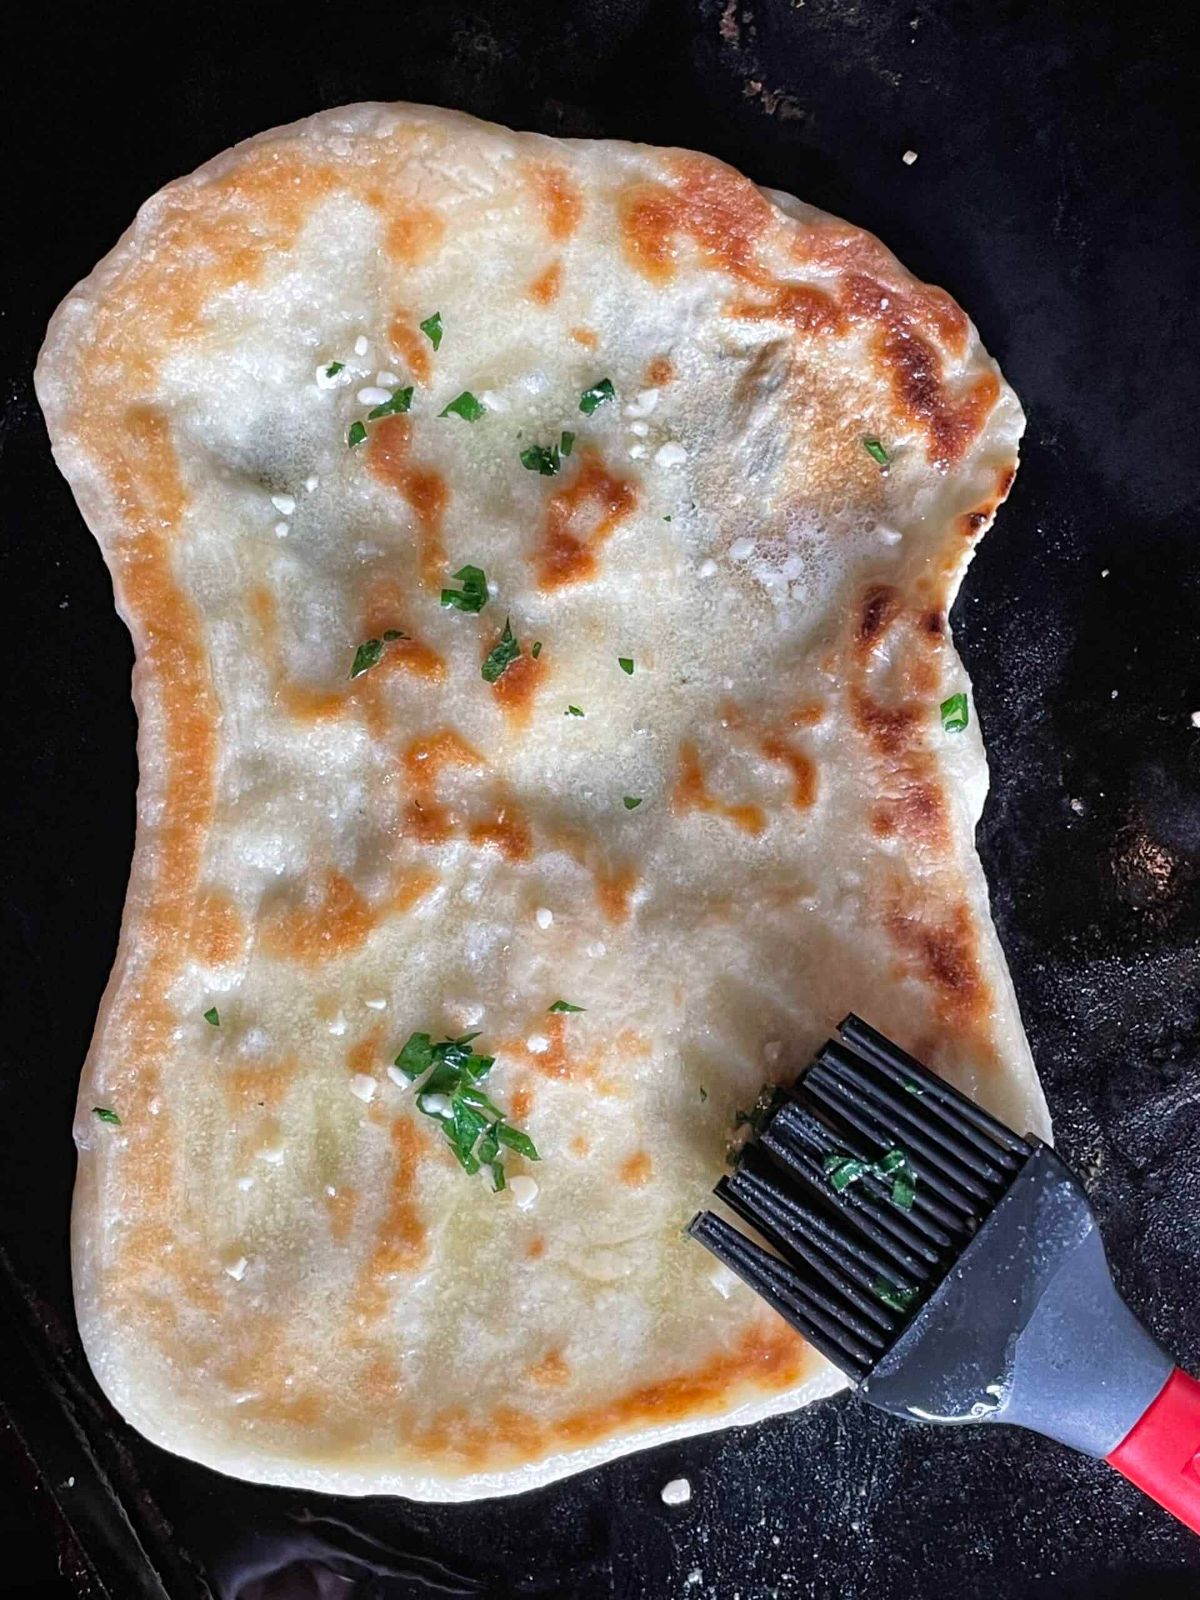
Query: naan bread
<point x="280" y="1268"/>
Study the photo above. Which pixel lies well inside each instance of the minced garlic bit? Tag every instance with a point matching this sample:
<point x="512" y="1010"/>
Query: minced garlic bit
<point x="372" y="396"/>
<point x="543" y="916"/>
<point x="676" y="1493"/>
<point x="524" y="1191"/>
<point x="642" y="404"/>
<point x="537" y="1044"/>
<point x="376" y="1005"/>
<point x="282" y="529"/>
<point x="909" y="157"/>
<point x="363" y="1085"/>
<point x="707" y="569"/>
<point x="671" y="454"/>
<point x="284" y="504"/>
<point x="397" y="1077"/>
<point x="311" y="483"/>
<point x="741" y="549"/>
<point x="237" y="1269"/>
<point x="361" y="346"/>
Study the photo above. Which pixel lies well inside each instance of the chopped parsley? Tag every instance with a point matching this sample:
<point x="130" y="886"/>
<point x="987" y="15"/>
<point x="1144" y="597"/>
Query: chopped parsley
<point x="543" y="458"/>
<point x="632" y="802"/>
<point x="565" y="1005"/>
<point x="400" y="401"/>
<point x="956" y="713"/>
<point x="370" y="652"/>
<point x="501" y="656"/>
<point x="876" y="452"/>
<point x="334" y="367"/>
<point x="548" y="458"/>
<point x="536" y="651"/>
<point x="473" y="595"/>
<point x="465" y="406"/>
<point x="599" y="394"/>
<point x="106" y="1115"/>
<point x="450" y="1094"/>
<point x="572" y="711"/>
<point x="626" y="664"/>
<point x="894" y="1167"/>
<point x="912" y="1088"/>
<point x="842" y="1171"/>
<point x="432" y="329"/>
<point x="357" y="433"/>
<point x="892" y="1294"/>
<point x="213" y="1017"/>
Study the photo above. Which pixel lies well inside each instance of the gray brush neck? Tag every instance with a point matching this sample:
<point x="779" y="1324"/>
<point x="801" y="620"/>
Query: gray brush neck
<point x="1028" y="1328"/>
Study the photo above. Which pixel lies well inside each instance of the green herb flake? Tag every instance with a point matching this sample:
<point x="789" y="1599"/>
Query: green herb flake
<point x="598" y="395"/>
<point x="432" y="329"/>
<point x="472" y="1125"/>
<point x="518" y="1141"/>
<point x="213" y="1017"/>
<point x="105" y="1115"/>
<point x="912" y="1088"/>
<point x="465" y="406"/>
<point x="703" y="1092"/>
<point x="632" y="802"/>
<point x="416" y="1056"/>
<point x="501" y="656"/>
<point x="543" y="458"/>
<point x="400" y="402"/>
<point x="473" y="595"/>
<point x="876" y="452"/>
<point x="843" y="1170"/>
<point x="567" y="443"/>
<point x="368" y="655"/>
<point x="956" y="713"/>
<point x="334" y="367"/>
<point x="893" y="1167"/>
<point x="565" y="1005"/>
<point x="904" y="1189"/>
<point x="626" y="665"/>
<point x="356" y="435"/>
<point x="666" y="519"/>
<point x="892" y="1294"/>
<point x="536" y="650"/>
<point x="572" y="711"/>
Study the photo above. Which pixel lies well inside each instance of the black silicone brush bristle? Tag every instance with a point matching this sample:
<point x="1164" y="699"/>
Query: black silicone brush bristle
<point x="866" y="1183"/>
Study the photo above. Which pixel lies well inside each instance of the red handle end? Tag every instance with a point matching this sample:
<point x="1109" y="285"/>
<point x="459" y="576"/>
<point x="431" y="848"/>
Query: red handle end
<point x="1161" y="1452"/>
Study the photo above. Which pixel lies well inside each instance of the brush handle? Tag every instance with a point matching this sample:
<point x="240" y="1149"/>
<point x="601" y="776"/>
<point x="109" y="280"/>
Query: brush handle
<point x="1161" y="1452"/>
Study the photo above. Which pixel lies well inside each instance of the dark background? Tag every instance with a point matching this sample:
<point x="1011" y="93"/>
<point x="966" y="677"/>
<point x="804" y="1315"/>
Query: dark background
<point x="1053" y="196"/>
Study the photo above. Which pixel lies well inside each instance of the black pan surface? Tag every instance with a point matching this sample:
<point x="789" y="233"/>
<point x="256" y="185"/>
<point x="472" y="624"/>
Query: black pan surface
<point x="1053" y="196"/>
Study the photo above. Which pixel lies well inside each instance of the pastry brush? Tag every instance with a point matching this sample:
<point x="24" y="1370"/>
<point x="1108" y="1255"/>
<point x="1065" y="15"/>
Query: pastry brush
<point x="952" y="1269"/>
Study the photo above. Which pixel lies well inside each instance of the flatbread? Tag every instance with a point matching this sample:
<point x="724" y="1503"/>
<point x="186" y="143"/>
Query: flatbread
<point x="281" y="1270"/>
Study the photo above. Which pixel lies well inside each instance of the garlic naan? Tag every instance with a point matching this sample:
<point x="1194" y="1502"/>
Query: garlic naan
<point x="723" y="463"/>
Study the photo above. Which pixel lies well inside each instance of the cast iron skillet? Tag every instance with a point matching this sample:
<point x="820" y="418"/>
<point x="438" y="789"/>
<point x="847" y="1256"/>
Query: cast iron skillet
<point x="1050" y="197"/>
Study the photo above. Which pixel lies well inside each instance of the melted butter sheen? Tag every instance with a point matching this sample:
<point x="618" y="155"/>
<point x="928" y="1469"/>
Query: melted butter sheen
<point x="286" y="1272"/>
